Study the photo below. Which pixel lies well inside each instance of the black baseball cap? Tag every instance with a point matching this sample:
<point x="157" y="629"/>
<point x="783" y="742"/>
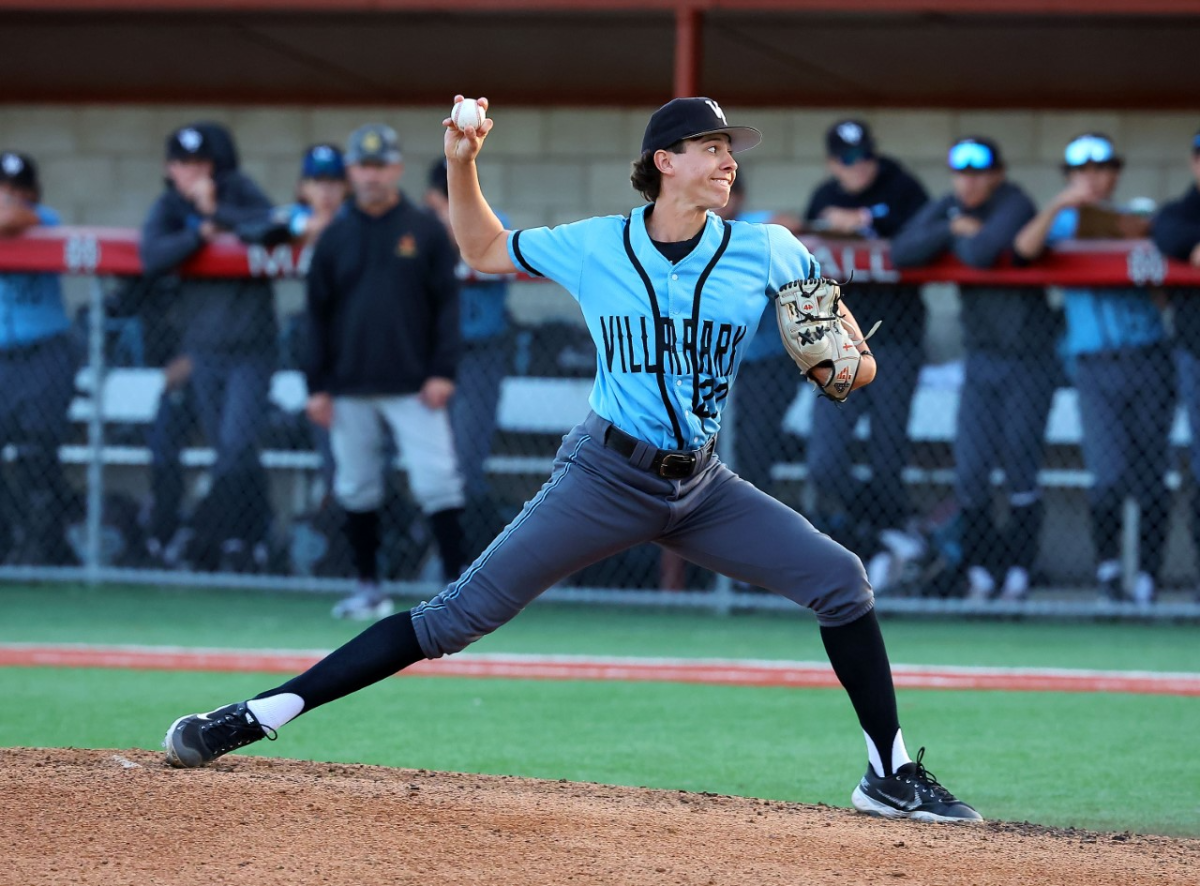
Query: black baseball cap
<point x="189" y="143"/>
<point x="975" y="154"/>
<point x="323" y="161"/>
<point x="850" y="141"/>
<point x="684" y="118"/>
<point x="373" y="143"/>
<point x="20" y="171"/>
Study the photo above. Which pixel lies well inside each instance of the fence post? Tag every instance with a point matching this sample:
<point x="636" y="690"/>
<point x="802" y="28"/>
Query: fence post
<point x="95" y="468"/>
<point x="1130" y="540"/>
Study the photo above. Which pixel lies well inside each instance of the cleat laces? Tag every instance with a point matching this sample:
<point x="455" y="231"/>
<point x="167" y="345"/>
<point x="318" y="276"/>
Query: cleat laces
<point x="233" y="731"/>
<point x="922" y="779"/>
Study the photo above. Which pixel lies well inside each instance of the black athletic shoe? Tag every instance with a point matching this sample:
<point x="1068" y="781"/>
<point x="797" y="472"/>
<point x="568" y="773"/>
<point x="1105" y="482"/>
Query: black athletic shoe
<point x="913" y="792"/>
<point x="198" y="739"/>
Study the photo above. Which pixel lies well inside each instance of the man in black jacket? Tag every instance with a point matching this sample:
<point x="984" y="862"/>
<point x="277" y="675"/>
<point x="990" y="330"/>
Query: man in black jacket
<point x="1008" y="336"/>
<point x="1176" y="232"/>
<point x="868" y="196"/>
<point x="384" y="343"/>
<point x="229" y="335"/>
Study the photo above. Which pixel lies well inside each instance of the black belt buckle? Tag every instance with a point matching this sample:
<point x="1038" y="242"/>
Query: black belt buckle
<point x="677" y="465"/>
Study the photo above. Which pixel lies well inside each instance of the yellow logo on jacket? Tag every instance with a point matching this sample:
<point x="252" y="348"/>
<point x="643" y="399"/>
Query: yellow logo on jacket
<point x="407" y="247"/>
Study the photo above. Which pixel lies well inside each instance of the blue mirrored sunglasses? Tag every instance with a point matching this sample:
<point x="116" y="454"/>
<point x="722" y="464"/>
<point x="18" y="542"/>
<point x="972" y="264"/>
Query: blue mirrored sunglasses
<point x="1089" y="149"/>
<point x="971" y="155"/>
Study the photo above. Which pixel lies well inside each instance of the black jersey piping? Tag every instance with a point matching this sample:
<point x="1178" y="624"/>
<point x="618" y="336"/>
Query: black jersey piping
<point x="516" y="245"/>
<point x="658" y="338"/>
<point x="712" y="263"/>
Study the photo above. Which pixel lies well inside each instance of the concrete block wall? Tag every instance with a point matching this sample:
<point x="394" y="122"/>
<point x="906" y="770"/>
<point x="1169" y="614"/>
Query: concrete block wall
<point x="102" y="164"/>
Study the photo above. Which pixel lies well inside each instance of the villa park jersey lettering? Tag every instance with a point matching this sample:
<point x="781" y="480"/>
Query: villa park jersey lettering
<point x="669" y="337"/>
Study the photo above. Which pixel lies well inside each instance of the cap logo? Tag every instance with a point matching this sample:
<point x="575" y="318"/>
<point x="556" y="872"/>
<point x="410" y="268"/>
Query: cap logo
<point x="191" y="140"/>
<point x="716" y="109"/>
<point x="372" y="142"/>
<point x="11" y="164"/>
<point x="850" y="133"/>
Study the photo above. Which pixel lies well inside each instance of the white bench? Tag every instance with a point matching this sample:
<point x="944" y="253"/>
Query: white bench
<point x="536" y="405"/>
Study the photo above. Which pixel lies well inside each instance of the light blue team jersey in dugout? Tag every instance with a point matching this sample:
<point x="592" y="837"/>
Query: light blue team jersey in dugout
<point x="31" y="305"/>
<point x="669" y="338"/>
<point x="1107" y="318"/>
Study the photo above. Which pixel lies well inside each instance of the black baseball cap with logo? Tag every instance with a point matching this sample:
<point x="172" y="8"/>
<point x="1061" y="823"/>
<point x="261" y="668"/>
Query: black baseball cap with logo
<point x="373" y="143"/>
<point x="850" y="141"/>
<point x="684" y="118"/>
<point x="19" y="171"/>
<point x="189" y="143"/>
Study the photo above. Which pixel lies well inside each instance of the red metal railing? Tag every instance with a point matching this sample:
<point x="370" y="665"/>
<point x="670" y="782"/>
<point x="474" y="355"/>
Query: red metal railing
<point x="109" y="251"/>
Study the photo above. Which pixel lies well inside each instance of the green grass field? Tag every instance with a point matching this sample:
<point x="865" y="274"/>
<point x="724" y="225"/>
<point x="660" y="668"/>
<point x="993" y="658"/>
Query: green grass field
<point x="1101" y="761"/>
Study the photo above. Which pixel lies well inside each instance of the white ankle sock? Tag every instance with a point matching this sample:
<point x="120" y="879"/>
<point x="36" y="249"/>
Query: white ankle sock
<point x="275" y="710"/>
<point x="899" y="753"/>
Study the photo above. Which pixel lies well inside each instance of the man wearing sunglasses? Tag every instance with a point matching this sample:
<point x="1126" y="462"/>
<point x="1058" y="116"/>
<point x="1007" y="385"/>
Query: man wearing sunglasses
<point x="1007" y="392"/>
<point x="1176" y="232"/>
<point x="1116" y="340"/>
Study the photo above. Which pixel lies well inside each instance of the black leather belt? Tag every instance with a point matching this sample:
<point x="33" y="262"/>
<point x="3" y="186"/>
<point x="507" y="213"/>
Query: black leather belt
<point x="671" y="464"/>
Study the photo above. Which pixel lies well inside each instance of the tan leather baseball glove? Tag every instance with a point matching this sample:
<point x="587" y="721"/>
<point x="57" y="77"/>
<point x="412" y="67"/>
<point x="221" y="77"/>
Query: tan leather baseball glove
<point x="820" y="336"/>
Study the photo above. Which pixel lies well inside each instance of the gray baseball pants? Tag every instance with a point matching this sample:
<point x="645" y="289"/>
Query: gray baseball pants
<point x="597" y="503"/>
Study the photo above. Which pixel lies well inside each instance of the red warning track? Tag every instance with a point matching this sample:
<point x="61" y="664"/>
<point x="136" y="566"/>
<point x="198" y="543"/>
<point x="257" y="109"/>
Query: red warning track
<point x="674" y="670"/>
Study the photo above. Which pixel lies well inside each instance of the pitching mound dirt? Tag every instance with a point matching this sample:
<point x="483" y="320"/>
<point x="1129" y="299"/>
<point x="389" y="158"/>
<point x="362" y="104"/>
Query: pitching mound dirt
<point x="123" y="817"/>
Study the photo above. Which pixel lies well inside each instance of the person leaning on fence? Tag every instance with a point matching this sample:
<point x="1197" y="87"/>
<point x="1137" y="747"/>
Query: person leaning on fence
<point x="1116" y="341"/>
<point x="1176" y="232"/>
<point x="486" y="355"/>
<point x="869" y="195"/>
<point x="1009" y="338"/>
<point x="383" y="334"/>
<point x="321" y="193"/>
<point x="230" y="336"/>
<point x="37" y="379"/>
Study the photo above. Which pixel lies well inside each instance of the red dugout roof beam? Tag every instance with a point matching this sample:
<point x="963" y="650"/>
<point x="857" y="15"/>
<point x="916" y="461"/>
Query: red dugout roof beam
<point x="956" y="7"/>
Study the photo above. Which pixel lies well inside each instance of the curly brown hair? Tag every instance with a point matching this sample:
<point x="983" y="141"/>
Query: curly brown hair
<point x="646" y="178"/>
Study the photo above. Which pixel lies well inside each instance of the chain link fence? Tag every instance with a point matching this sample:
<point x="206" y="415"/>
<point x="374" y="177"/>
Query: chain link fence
<point x="126" y="458"/>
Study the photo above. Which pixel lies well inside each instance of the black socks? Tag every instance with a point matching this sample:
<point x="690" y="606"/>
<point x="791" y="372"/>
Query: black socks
<point x="362" y="532"/>
<point x="388" y="646"/>
<point x="860" y="660"/>
<point x="447" y="532"/>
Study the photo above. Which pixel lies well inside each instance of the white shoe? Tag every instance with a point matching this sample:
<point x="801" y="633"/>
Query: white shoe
<point x="905" y="545"/>
<point x="1016" y="584"/>
<point x="367" y="604"/>
<point x="879" y="571"/>
<point x="1144" y="589"/>
<point x="1108" y="579"/>
<point x="980" y="584"/>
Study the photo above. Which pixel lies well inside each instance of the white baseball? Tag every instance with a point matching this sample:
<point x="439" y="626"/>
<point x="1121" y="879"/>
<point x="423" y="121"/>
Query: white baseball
<point x="467" y="113"/>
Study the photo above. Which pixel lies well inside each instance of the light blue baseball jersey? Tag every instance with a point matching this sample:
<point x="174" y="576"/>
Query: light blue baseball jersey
<point x="1107" y="318"/>
<point x="669" y="337"/>
<point x="31" y="305"/>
